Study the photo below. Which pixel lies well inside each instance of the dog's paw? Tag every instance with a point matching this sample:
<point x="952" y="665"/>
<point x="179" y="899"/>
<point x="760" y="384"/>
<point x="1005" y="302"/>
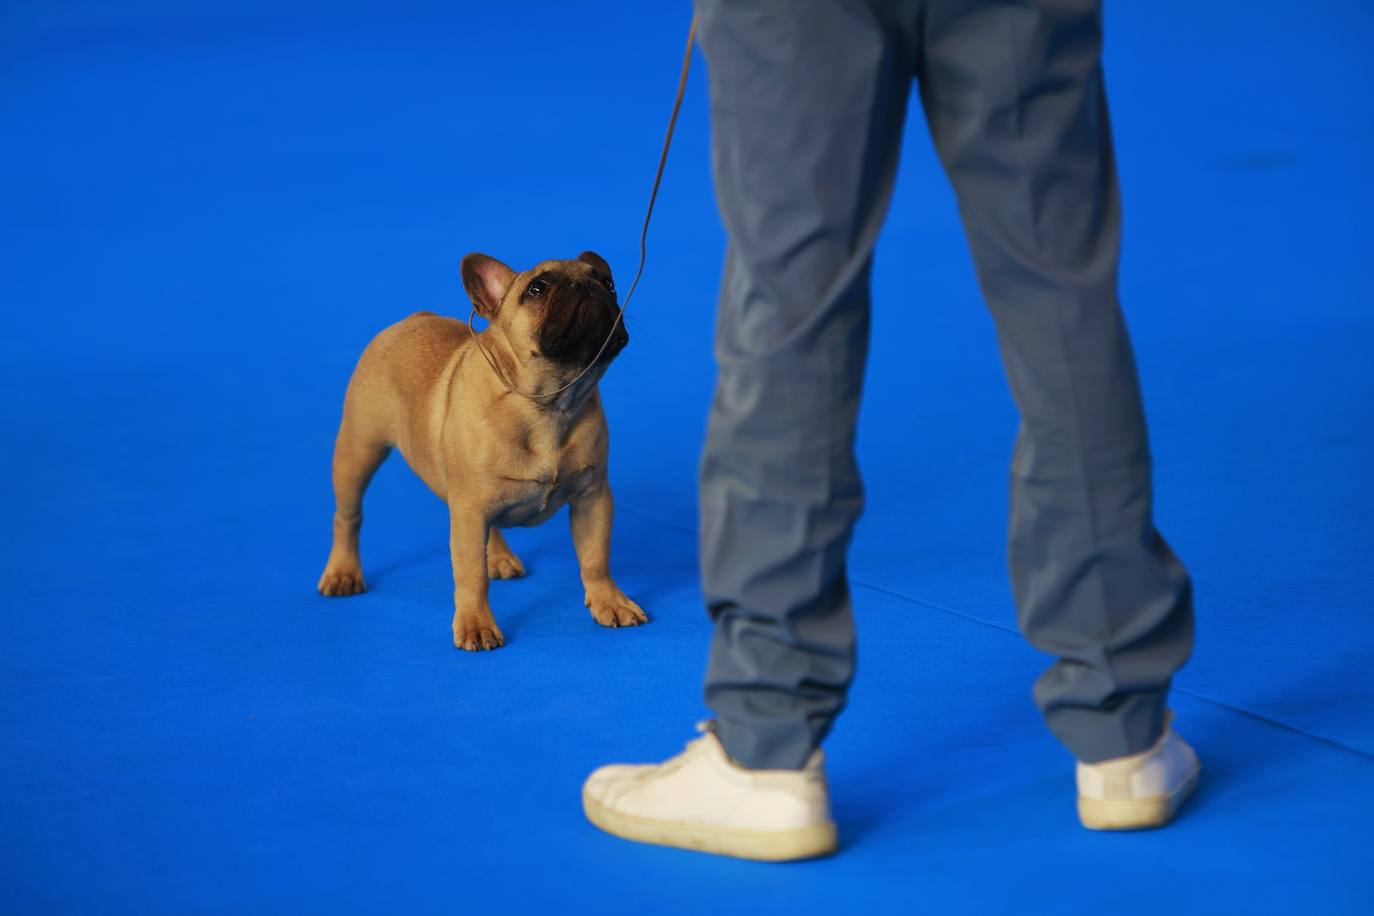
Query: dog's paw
<point x="611" y="608"/>
<point x="504" y="566"/>
<point x="476" y="634"/>
<point x="338" y="582"/>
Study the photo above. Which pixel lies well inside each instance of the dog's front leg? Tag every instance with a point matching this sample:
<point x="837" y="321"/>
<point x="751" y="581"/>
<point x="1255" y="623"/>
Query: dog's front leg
<point x="474" y="627"/>
<point x="590" y="515"/>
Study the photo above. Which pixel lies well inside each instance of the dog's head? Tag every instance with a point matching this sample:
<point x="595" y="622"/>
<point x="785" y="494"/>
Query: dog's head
<point x="557" y="311"/>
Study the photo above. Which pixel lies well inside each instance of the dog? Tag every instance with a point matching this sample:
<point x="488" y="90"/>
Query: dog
<point x="498" y="457"/>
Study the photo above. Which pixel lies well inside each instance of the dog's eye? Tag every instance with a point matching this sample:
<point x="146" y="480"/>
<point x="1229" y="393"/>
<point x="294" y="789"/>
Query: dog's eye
<point x="610" y="287"/>
<point x="536" y="288"/>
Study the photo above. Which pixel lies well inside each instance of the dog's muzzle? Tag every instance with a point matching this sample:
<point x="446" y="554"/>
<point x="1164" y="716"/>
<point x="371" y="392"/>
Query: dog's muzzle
<point x="575" y="333"/>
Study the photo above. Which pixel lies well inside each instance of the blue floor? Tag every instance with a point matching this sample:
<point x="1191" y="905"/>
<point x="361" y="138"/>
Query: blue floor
<point x="209" y="208"/>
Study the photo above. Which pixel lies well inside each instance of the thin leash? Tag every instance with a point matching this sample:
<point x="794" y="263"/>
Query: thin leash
<point x="643" y="248"/>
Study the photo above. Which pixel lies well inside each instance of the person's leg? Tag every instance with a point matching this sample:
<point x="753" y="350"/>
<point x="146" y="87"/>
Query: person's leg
<point x="807" y="104"/>
<point x="1015" y="99"/>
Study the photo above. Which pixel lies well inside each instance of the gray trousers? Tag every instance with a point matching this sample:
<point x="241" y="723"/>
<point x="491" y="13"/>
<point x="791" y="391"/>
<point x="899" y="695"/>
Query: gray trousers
<point x="807" y="105"/>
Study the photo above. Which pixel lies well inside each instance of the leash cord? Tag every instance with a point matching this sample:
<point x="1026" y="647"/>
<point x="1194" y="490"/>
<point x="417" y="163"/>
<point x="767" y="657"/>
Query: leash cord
<point x="643" y="247"/>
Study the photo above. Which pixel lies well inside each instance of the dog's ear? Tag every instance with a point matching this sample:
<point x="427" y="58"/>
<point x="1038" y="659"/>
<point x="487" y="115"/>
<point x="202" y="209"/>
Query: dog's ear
<point x="486" y="280"/>
<point x="598" y="263"/>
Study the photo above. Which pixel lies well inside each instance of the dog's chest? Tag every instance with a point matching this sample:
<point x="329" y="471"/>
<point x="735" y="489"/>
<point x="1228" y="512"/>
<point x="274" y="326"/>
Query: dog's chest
<point x="531" y="493"/>
<point x="542" y="466"/>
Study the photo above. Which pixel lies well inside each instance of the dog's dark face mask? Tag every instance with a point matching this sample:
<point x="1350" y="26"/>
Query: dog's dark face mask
<point x="579" y="309"/>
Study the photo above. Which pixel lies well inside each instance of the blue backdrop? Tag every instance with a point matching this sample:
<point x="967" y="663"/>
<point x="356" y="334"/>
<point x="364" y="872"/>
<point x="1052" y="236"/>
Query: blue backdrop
<point x="208" y="209"/>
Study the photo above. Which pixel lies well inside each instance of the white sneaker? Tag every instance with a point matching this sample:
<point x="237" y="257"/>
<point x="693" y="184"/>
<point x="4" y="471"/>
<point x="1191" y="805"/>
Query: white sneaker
<point x="1139" y="791"/>
<point x="702" y="800"/>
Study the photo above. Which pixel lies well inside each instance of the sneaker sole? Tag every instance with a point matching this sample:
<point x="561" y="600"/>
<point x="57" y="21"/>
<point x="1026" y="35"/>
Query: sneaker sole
<point x="760" y="845"/>
<point x="1135" y="813"/>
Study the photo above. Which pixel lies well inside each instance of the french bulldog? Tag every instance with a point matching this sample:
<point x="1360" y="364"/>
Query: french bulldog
<point x="498" y="457"/>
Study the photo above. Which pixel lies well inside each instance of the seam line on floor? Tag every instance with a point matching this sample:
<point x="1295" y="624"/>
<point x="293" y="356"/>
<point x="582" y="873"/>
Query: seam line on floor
<point x="1284" y="726"/>
<point x="1258" y="717"/>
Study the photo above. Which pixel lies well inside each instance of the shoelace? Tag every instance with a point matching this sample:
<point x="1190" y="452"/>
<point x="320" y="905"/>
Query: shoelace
<point x="690" y="751"/>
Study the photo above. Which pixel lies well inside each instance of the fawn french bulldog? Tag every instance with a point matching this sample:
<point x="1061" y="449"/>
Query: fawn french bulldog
<point x="496" y="456"/>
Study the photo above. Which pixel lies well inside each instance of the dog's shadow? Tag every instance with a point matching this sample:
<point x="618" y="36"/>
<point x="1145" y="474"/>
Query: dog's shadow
<point x="380" y="576"/>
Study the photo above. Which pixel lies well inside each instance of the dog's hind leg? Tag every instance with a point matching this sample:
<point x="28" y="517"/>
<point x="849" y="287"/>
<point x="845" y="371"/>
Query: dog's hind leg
<point x="358" y="452"/>
<point x="502" y="563"/>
